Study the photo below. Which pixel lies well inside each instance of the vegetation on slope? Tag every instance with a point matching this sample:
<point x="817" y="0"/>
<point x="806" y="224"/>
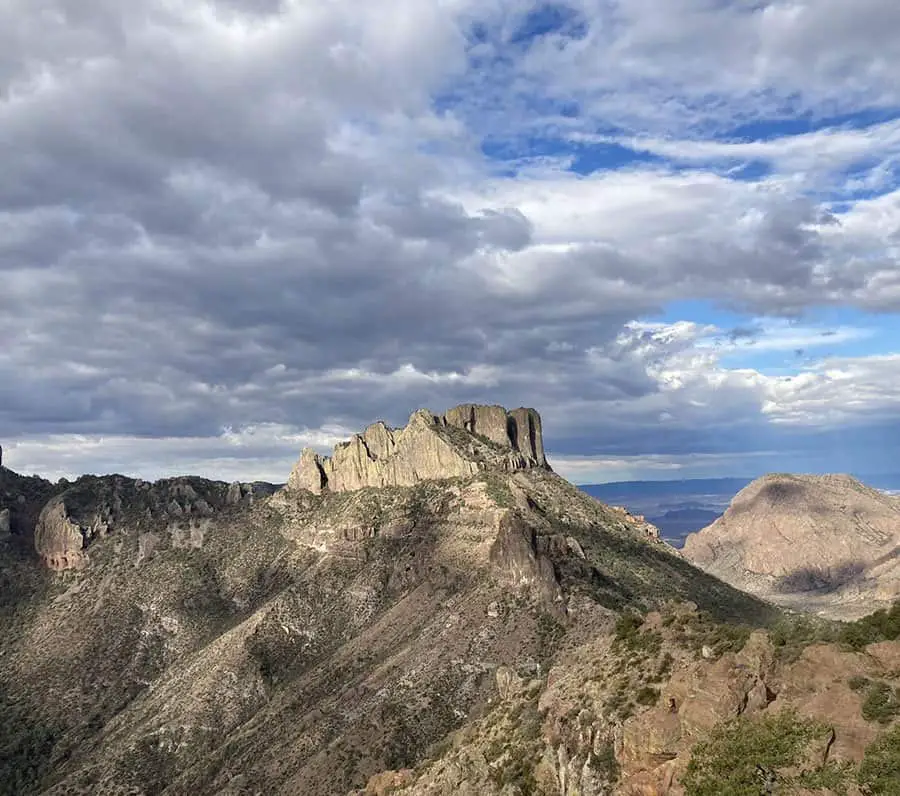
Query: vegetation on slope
<point x="749" y="756"/>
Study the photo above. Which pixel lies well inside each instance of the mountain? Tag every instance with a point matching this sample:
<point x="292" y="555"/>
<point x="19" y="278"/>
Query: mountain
<point x="671" y="704"/>
<point x="190" y="636"/>
<point x="676" y="524"/>
<point x="656" y="491"/>
<point x="676" y="507"/>
<point x="428" y="610"/>
<point x="828" y="544"/>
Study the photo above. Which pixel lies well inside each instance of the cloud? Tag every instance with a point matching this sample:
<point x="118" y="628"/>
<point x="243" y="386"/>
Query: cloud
<point x="592" y="470"/>
<point x="688" y="66"/>
<point x="816" y="160"/>
<point x="265" y="452"/>
<point x="269" y="214"/>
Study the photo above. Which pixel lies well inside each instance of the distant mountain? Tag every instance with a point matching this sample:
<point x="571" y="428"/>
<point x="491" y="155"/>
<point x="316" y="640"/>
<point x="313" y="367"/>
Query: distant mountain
<point x="675" y="525"/>
<point x="826" y="543"/>
<point x="677" y="508"/>
<point x="643" y="490"/>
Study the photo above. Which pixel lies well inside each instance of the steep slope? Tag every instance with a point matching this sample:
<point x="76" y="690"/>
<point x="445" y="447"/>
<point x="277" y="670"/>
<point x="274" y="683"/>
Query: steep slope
<point x="213" y="641"/>
<point x="824" y="543"/>
<point x="674" y="704"/>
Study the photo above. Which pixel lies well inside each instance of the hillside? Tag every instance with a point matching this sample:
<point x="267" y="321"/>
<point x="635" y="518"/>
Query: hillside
<point x="673" y="704"/>
<point x="191" y="636"/>
<point x="828" y="544"/>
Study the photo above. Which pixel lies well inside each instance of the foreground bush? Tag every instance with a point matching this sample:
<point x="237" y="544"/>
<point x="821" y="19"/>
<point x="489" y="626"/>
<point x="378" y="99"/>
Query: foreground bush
<point x="879" y="773"/>
<point x="746" y="757"/>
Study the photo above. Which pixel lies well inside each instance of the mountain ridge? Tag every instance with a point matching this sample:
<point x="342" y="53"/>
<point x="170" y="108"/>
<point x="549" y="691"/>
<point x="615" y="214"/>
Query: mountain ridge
<point x="217" y="641"/>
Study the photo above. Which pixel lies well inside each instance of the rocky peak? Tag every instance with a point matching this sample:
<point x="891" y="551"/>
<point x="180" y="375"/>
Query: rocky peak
<point x="463" y="441"/>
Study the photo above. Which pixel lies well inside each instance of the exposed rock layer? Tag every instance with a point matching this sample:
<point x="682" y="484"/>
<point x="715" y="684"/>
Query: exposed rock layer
<point x="427" y="448"/>
<point x="828" y="543"/>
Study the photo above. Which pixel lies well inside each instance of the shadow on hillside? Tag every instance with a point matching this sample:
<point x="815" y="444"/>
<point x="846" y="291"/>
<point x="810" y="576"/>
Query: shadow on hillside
<point x="821" y="580"/>
<point x="622" y="572"/>
<point x="825" y="580"/>
<point x="776" y="493"/>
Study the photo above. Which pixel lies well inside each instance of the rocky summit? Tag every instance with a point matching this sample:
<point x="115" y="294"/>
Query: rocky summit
<point x="827" y="543"/>
<point x="462" y="442"/>
<point x="430" y="610"/>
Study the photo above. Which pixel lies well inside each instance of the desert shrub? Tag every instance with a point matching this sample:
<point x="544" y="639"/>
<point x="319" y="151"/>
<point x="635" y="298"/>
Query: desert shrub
<point x="879" y="772"/>
<point x="882" y="625"/>
<point x="801" y="631"/>
<point x="697" y="630"/>
<point x="618" y="703"/>
<point x="882" y="703"/>
<point x="833" y="777"/>
<point x="663" y="667"/>
<point x="628" y="625"/>
<point x="646" y="695"/>
<point x="742" y="755"/>
<point x="858" y="682"/>
<point x="24" y="758"/>
<point x="513" y="755"/>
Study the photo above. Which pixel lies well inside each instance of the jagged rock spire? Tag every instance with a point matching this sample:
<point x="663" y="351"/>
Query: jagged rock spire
<point x="430" y="446"/>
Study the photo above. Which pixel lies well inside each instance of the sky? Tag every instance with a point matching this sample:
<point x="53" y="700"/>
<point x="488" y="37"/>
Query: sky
<point x="233" y="228"/>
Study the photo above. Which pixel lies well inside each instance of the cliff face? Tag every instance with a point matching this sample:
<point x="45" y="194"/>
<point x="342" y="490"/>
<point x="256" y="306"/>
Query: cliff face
<point x="428" y="447"/>
<point x="826" y="543"/>
<point x="58" y="540"/>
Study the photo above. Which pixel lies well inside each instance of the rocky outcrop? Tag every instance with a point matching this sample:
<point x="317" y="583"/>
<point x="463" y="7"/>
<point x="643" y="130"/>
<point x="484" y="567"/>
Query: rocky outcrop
<point x="59" y="541"/>
<point x="825" y="543"/>
<point x="462" y="442"/>
<point x="21" y="500"/>
<point x="638" y="520"/>
<point x="519" y="429"/>
<point x="170" y="513"/>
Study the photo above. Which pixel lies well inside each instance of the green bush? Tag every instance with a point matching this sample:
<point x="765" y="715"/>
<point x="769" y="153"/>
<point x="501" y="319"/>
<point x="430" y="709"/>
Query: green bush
<point x="646" y="696"/>
<point x="882" y="703"/>
<point x="880" y="626"/>
<point x="697" y="630"/>
<point x="663" y="667"/>
<point x="741" y="756"/>
<point x="832" y="777"/>
<point x="802" y="630"/>
<point x="627" y="625"/>
<point x="879" y="772"/>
